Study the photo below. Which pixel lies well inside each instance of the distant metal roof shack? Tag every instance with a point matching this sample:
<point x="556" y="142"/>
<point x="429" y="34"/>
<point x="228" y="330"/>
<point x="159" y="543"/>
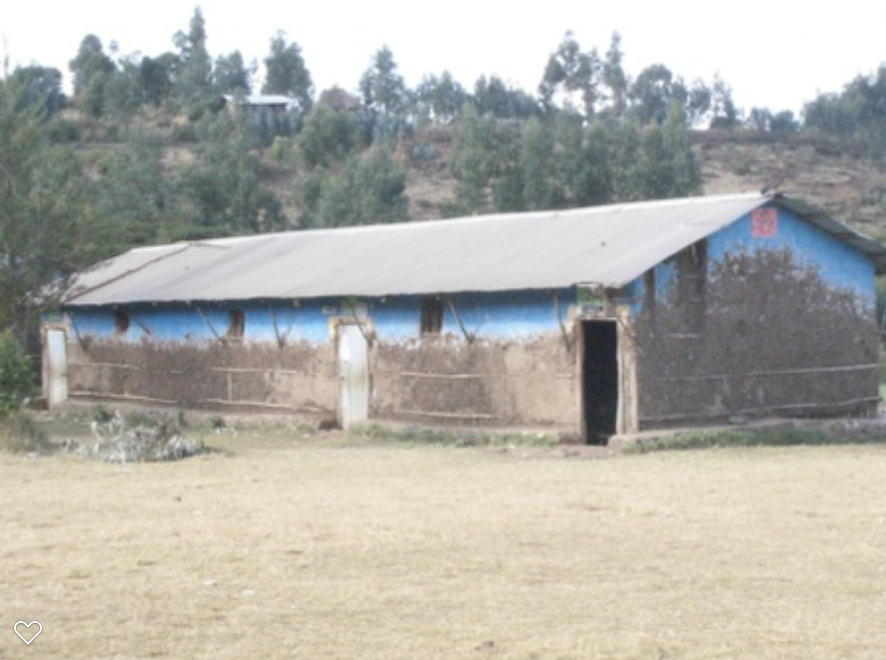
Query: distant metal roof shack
<point x="261" y="100"/>
<point x="599" y="246"/>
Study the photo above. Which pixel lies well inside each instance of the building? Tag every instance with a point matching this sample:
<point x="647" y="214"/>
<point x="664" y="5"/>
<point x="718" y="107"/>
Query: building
<point x="258" y="103"/>
<point x="590" y="322"/>
<point x="338" y="100"/>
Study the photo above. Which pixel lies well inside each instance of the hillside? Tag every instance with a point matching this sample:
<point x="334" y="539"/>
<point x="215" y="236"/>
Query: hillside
<point x="833" y="174"/>
<point x="837" y="177"/>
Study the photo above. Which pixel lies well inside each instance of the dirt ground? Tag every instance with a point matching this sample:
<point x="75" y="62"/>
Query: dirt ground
<point x="322" y="548"/>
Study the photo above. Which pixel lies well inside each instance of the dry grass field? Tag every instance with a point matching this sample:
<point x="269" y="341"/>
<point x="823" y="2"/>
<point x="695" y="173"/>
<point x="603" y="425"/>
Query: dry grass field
<point x="326" y="548"/>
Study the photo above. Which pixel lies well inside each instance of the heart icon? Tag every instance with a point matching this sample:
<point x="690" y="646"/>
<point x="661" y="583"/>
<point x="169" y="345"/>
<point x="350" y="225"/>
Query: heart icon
<point x="28" y="625"/>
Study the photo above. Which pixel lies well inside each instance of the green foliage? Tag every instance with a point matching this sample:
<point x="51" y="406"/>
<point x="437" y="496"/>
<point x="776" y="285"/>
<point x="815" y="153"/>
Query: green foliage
<point x="439" y="99"/>
<point x="561" y="164"/>
<point x="287" y="74"/>
<point x="16" y="375"/>
<point x="507" y="182"/>
<point x="383" y="89"/>
<point x="92" y="69"/>
<point x="156" y="76"/>
<point x="613" y="77"/>
<point x="369" y="190"/>
<point x="63" y="130"/>
<point x="264" y="125"/>
<point x="418" y="436"/>
<point x="857" y="113"/>
<point x="725" y="113"/>
<point x="571" y="71"/>
<point x="784" y="122"/>
<point x="493" y="98"/>
<point x="654" y="162"/>
<point x="474" y="161"/>
<point x="328" y="137"/>
<point x="41" y="89"/>
<point x="832" y="113"/>
<point x="19" y="434"/>
<point x="762" y="437"/>
<point x="123" y="93"/>
<point x="537" y="164"/>
<point x="193" y="81"/>
<point x="134" y="196"/>
<point x="42" y="204"/>
<point x="762" y="120"/>
<point x="684" y="176"/>
<point x="232" y="75"/>
<point x="698" y="103"/>
<point x="583" y="164"/>
<point x="653" y="92"/>
<point x="222" y="192"/>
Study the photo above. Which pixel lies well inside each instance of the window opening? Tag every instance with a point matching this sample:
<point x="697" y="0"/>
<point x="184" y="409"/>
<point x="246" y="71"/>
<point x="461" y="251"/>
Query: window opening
<point x="431" y="316"/>
<point x="121" y="321"/>
<point x="236" y="324"/>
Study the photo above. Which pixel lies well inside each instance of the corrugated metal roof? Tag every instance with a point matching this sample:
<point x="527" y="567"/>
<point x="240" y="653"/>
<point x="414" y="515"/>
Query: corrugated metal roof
<point x="606" y="246"/>
<point x="261" y="99"/>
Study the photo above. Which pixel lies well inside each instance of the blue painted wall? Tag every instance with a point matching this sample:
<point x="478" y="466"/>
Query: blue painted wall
<point x="503" y="315"/>
<point x="839" y="265"/>
<point x="179" y="322"/>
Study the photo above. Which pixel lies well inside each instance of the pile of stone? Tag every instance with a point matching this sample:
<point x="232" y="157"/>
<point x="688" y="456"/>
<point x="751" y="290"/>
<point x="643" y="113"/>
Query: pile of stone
<point x="161" y="442"/>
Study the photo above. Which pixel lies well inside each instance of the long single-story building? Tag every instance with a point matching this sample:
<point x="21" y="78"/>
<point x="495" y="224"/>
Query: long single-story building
<point x="590" y="322"/>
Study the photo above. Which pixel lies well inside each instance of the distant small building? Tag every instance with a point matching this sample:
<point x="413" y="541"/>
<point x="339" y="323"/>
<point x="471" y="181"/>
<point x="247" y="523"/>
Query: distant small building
<point x="260" y="103"/>
<point x="590" y="322"/>
<point x="335" y="98"/>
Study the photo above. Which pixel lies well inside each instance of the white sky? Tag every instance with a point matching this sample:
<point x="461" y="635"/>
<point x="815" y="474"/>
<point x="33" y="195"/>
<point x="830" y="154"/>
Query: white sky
<point x="777" y="55"/>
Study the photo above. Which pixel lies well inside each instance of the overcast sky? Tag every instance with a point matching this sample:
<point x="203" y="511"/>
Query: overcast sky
<point x="776" y="55"/>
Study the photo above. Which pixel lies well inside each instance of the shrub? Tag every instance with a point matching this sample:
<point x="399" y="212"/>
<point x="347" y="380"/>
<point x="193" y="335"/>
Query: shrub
<point x="16" y="377"/>
<point x="184" y="134"/>
<point x="464" y="438"/>
<point x="717" y="438"/>
<point x="19" y="434"/>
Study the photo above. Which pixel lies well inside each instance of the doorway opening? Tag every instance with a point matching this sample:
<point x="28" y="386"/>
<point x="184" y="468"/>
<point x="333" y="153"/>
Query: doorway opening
<point x="599" y="379"/>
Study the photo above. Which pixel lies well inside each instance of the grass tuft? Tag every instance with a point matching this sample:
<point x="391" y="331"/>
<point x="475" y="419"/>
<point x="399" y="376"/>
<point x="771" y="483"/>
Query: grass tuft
<point x="746" y="438"/>
<point x="420" y="436"/>
<point x="19" y="434"/>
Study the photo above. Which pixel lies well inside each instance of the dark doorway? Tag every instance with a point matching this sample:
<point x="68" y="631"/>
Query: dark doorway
<point x="599" y="370"/>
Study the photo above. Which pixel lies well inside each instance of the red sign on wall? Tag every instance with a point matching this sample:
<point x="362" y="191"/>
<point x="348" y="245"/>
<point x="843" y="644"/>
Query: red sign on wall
<point x="764" y="223"/>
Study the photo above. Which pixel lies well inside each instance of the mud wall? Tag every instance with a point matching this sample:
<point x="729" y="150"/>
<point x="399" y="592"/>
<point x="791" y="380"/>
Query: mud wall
<point x="754" y="325"/>
<point x="184" y="355"/>
<point x="488" y="381"/>
<point x="297" y="378"/>
<point x="498" y="359"/>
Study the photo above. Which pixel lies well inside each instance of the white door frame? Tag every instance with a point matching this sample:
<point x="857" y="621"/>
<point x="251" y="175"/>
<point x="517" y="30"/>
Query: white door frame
<point x="55" y="364"/>
<point x="352" y="356"/>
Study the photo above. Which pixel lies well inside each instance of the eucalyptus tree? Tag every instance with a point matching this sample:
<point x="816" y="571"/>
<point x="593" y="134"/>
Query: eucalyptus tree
<point x="287" y="74"/>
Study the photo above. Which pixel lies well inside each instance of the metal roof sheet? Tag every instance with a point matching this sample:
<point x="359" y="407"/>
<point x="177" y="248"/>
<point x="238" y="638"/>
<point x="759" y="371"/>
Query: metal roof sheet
<point x="260" y="99"/>
<point x="605" y="246"/>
